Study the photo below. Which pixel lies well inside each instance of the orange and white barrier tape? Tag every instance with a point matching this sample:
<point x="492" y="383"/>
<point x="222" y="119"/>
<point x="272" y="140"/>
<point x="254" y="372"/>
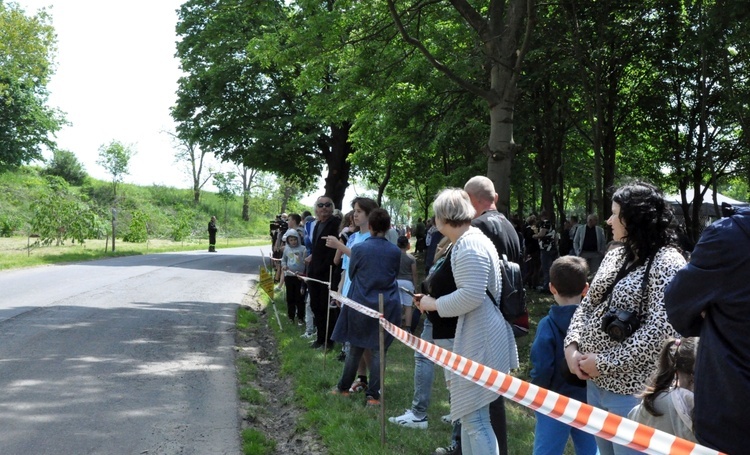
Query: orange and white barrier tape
<point x="307" y="278"/>
<point x="357" y="306"/>
<point x="567" y="410"/>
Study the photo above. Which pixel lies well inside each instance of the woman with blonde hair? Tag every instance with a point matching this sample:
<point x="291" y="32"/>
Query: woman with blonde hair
<point x="482" y="334"/>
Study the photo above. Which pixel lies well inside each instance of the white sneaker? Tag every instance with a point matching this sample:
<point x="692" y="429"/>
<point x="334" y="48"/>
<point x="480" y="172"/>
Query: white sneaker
<point x="308" y="334"/>
<point x="409" y="420"/>
<point x="446" y="419"/>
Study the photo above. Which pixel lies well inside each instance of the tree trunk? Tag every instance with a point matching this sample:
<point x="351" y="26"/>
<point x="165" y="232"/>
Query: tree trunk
<point x="336" y="156"/>
<point x="501" y="151"/>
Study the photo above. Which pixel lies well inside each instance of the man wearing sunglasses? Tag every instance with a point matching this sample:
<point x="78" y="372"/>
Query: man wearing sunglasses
<point x="321" y="261"/>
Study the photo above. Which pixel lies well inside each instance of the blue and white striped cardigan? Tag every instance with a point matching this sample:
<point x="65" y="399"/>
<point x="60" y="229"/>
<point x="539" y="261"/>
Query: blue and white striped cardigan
<point x="482" y="334"/>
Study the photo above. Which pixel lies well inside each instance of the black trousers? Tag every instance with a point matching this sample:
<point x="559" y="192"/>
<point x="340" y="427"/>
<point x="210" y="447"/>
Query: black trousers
<point x="295" y="301"/>
<point x="499" y="425"/>
<point x="319" y="307"/>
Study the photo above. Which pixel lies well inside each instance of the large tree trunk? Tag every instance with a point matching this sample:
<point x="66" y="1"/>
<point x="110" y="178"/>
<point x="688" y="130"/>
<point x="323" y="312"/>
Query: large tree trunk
<point x="338" y="166"/>
<point x="504" y="30"/>
<point x="501" y="151"/>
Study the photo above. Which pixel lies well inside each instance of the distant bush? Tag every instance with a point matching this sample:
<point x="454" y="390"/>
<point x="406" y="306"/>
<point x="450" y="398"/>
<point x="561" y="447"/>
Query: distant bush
<point x="182" y="225"/>
<point x="138" y="228"/>
<point x="9" y="224"/>
<point x="64" y="164"/>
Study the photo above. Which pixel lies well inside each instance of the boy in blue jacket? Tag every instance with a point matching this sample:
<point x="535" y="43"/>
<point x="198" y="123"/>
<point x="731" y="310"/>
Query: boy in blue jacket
<point x="568" y="285"/>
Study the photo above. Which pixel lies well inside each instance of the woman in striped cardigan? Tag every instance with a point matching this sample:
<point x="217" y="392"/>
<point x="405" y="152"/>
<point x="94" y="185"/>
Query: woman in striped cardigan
<point x="482" y="334"/>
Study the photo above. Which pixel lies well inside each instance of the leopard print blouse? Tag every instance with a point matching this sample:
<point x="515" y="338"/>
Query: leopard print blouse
<point x="625" y="367"/>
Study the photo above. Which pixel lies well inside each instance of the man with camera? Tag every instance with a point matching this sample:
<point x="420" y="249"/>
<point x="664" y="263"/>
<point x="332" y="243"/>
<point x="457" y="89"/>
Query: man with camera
<point x="278" y="227"/>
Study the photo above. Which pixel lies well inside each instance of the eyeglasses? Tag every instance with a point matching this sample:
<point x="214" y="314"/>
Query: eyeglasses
<point x="324" y="204"/>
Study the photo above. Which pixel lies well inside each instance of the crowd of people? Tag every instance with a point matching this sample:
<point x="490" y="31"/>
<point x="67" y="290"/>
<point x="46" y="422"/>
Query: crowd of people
<point x="624" y="333"/>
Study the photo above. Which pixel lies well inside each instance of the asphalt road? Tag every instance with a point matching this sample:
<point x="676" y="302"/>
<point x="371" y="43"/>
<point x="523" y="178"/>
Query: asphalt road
<point x="123" y="356"/>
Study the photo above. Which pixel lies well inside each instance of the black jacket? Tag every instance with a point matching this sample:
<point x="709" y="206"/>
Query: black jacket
<point x="717" y="281"/>
<point x="322" y="256"/>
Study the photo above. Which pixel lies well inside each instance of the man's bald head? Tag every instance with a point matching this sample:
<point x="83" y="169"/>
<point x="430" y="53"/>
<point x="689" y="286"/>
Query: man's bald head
<point x="482" y="193"/>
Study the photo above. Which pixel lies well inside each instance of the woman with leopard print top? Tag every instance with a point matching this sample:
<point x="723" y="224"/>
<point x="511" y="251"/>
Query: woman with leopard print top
<point x="628" y="290"/>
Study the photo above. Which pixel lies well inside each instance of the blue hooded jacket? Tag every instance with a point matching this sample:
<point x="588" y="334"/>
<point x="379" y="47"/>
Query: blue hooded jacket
<point x="547" y="353"/>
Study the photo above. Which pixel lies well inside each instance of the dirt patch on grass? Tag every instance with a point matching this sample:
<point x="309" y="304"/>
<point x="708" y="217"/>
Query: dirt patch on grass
<point x="275" y="415"/>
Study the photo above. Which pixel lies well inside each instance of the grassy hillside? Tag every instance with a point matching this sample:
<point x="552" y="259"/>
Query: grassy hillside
<point x="165" y="208"/>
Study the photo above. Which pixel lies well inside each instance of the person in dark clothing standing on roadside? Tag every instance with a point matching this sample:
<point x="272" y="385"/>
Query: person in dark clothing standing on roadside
<point x="319" y="266"/>
<point x="212" y="229"/>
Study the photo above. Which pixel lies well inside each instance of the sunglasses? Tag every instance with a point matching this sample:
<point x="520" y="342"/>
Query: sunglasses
<point x="324" y="204"/>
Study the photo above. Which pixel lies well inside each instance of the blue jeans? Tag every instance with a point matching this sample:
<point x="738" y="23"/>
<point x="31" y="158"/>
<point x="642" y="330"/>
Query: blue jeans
<point x="551" y="436"/>
<point x="614" y="403"/>
<point x="477" y="437"/>
<point x="351" y="364"/>
<point x="498" y="422"/>
<point x="309" y="325"/>
<point x="424" y="373"/>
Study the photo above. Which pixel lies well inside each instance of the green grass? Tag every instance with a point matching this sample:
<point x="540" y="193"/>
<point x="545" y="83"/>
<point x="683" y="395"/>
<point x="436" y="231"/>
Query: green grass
<point x="14" y="252"/>
<point x="347" y="427"/>
<point x="256" y="443"/>
<point x="245" y="318"/>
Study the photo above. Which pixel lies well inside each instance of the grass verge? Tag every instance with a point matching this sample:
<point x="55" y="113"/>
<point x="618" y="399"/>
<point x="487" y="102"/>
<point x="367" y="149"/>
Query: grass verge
<point x="346" y="426"/>
<point x="14" y="252"/>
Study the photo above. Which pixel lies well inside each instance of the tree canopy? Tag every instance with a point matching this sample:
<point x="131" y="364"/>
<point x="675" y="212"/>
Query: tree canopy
<point x="556" y="102"/>
<point x="27" y="123"/>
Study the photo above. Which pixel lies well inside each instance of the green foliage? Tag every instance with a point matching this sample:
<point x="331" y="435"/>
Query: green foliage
<point x="25" y="195"/>
<point x="232" y="104"/>
<point x="138" y="228"/>
<point x="27" y="45"/>
<point x="9" y="223"/>
<point x="59" y="214"/>
<point x="65" y="164"/>
<point x="115" y="159"/>
<point x="181" y="226"/>
<point x="227" y="185"/>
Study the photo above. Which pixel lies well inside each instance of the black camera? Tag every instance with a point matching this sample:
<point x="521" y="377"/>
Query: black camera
<point x="620" y="324"/>
<point x="278" y="225"/>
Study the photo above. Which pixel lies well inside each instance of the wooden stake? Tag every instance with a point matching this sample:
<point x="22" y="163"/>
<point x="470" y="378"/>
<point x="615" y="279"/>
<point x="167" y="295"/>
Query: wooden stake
<point x="328" y="316"/>
<point x="382" y="372"/>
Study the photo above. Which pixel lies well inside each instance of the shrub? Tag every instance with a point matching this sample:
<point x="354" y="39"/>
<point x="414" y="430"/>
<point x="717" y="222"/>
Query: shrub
<point x="8" y="224"/>
<point x="137" y="230"/>
<point x="65" y="164"/>
<point x="181" y="226"/>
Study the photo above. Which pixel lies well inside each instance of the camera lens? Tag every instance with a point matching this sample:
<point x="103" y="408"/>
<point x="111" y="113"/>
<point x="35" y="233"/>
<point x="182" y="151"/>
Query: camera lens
<point x="616" y="332"/>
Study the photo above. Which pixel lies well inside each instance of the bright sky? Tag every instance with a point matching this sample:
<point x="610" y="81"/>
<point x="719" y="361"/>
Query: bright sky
<point x="116" y="79"/>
